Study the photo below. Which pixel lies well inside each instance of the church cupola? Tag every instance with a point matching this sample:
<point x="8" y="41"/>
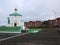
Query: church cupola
<point x="15" y="13"/>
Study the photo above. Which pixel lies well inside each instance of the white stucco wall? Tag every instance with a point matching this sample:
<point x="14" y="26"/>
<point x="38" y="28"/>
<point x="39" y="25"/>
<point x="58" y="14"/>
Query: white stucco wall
<point x="15" y="19"/>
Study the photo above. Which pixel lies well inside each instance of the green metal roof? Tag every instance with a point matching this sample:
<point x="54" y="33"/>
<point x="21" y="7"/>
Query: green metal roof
<point x="15" y="14"/>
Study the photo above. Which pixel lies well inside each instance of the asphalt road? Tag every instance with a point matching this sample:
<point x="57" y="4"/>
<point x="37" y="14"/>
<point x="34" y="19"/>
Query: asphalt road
<point x="45" y="37"/>
<point x="5" y="35"/>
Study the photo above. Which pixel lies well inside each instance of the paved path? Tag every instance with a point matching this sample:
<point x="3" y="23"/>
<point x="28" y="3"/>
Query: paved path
<point x="5" y="36"/>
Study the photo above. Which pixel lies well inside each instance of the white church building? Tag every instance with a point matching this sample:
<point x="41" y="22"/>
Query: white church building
<point x="15" y="19"/>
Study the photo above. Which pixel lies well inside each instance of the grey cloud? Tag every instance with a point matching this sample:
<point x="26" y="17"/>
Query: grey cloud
<point x="32" y="9"/>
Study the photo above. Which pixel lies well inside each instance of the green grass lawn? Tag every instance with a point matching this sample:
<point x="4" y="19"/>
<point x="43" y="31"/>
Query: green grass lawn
<point x="33" y="30"/>
<point x="10" y="29"/>
<point x="4" y="29"/>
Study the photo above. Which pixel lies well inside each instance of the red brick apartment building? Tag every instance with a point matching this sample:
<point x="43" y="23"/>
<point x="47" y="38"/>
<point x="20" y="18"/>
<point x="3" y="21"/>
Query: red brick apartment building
<point x="58" y="21"/>
<point x="54" y="23"/>
<point x="51" y="23"/>
<point x="33" y="24"/>
<point x="37" y="24"/>
<point x="29" y="24"/>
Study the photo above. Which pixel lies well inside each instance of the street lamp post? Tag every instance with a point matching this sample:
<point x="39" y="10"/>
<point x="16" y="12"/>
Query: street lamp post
<point x="55" y="18"/>
<point x="55" y="23"/>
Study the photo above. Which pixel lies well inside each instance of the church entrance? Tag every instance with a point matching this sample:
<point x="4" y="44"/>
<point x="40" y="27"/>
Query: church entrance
<point x="15" y="24"/>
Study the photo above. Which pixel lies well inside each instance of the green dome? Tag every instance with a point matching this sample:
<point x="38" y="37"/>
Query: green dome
<point x="15" y="14"/>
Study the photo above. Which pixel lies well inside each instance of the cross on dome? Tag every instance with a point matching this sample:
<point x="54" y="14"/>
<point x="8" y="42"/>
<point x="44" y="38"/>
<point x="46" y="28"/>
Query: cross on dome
<point x="15" y="9"/>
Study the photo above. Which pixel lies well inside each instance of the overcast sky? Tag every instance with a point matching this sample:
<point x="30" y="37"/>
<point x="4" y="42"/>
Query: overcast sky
<point x="30" y="9"/>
